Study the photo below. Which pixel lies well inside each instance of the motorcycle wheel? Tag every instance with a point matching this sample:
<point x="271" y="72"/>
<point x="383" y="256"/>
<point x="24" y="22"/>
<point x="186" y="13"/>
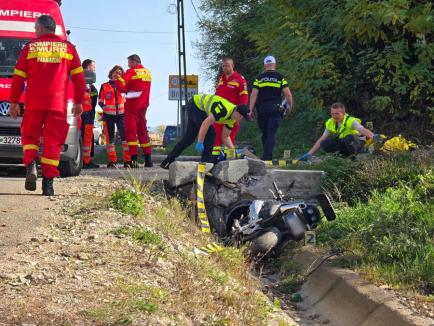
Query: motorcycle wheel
<point x="266" y="241"/>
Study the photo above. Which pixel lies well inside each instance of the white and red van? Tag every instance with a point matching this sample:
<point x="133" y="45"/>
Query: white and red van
<point x="17" y="22"/>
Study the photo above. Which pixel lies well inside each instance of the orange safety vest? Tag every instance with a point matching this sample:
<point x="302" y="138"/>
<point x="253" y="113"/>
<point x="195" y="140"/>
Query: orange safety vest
<point x="87" y="101"/>
<point x="112" y="99"/>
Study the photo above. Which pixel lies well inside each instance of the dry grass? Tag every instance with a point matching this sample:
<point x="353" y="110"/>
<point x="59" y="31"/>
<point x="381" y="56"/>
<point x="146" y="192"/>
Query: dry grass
<point x="138" y="270"/>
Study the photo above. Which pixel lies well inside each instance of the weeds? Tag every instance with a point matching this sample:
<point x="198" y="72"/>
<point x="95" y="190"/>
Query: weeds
<point x="128" y="202"/>
<point x="392" y="232"/>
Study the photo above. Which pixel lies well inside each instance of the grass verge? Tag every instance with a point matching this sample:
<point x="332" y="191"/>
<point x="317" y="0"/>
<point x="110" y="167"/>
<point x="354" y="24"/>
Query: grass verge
<point x="175" y="286"/>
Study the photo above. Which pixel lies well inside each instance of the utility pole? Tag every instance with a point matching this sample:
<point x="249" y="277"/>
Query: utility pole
<point x="182" y="72"/>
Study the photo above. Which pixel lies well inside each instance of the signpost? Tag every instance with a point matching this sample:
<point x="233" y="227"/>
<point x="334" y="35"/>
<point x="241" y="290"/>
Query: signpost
<point x="176" y="92"/>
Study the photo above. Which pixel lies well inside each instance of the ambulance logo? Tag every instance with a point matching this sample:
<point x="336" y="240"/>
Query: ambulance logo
<point x="108" y="96"/>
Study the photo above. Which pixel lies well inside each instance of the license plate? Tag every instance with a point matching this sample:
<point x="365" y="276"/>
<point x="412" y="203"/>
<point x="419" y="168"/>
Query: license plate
<point x="10" y="140"/>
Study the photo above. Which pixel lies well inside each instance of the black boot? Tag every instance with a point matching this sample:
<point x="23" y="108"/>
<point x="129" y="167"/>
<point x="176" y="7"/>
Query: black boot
<point x="134" y="163"/>
<point x="166" y="163"/>
<point x="31" y="176"/>
<point x="47" y="186"/>
<point x="148" y="161"/>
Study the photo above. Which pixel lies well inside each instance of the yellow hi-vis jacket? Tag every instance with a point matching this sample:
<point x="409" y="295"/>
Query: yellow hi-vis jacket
<point x="344" y="129"/>
<point x="220" y="108"/>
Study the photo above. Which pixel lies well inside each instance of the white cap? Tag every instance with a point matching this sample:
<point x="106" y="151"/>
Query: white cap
<point x="269" y="60"/>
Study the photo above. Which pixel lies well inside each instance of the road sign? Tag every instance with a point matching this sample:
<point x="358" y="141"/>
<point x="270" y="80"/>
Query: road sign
<point x="175" y="94"/>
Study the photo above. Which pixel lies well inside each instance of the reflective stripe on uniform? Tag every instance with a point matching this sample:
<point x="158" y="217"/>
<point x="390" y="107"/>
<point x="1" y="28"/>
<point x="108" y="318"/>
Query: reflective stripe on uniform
<point x="208" y="104"/>
<point x="145" y="145"/>
<point x="48" y="161"/>
<point x="122" y="80"/>
<point x="76" y="70"/>
<point x="132" y="143"/>
<point x="30" y="146"/>
<point x="133" y="94"/>
<point x="20" y="73"/>
<point x="233" y="83"/>
<point x="268" y="84"/>
<point x="244" y="92"/>
<point x="64" y="55"/>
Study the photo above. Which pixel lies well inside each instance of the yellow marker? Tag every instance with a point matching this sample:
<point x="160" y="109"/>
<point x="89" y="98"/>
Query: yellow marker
<point x="282" y="163"/>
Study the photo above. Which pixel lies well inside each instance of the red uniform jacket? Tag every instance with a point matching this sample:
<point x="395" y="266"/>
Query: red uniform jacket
<point x="47" y="63"/>
<point x="233" y="89"/>
<point x="136" y="84"/>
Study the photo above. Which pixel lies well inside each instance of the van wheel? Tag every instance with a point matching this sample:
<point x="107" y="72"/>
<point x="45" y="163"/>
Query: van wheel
<point x="72" y="168"/>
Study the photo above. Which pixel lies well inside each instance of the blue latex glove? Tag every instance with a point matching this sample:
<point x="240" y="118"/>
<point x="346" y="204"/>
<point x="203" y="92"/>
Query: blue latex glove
<point x="305" y="157"/>
<point x="199" y="147"/>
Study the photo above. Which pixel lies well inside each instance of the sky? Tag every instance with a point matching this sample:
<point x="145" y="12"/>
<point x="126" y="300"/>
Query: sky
<point x="157" y="48"/>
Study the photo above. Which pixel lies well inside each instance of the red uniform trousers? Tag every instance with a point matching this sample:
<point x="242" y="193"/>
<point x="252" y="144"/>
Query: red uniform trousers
<point x="136" y="131"/>
<point x="218" y="127"/>
<point x="52" y="126"/>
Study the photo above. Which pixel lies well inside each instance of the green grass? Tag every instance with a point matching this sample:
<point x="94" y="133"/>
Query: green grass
<point x="392" y="233"/>
<point x="128" y="202"/>
<point x="349" y="181"/>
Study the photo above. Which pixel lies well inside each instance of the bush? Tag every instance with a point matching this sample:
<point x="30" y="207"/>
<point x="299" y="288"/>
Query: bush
<point x="393" y="232"/>
<point x="128" y="202"/>
<point x="353" y="181"/>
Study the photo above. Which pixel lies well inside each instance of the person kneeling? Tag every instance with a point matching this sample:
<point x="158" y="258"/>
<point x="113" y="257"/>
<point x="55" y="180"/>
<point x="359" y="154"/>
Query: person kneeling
<point x="203" y="111"/>
<point x="343" y="133"/>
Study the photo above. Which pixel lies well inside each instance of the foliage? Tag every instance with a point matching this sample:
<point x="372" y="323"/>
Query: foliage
<point x="128" y="202"/>
<point x="351" y="181"/>
<point x="374" y="56"/>
<point x="392" y="233"/>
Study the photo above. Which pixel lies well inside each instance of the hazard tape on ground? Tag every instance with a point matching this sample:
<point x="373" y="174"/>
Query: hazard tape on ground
<point x="280" y="163"/>
<point x="201" y="210"/>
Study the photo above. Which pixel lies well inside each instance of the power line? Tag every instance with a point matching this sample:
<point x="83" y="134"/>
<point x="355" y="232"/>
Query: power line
<point x="197" y="13"/>
<point x="127" y="31"/>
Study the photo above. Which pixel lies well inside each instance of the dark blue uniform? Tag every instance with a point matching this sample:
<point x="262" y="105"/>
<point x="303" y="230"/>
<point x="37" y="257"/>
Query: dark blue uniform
<point x="270" y="85"/>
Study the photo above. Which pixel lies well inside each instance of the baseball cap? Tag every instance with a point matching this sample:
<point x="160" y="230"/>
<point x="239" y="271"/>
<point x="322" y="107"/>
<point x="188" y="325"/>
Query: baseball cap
<point x="269" y="59"/>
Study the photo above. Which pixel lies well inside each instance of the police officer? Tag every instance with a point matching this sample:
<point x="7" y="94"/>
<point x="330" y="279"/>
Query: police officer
<point x="267" y="96"/>
<point x="203" y="111"/>
<point x="47" y="74"/>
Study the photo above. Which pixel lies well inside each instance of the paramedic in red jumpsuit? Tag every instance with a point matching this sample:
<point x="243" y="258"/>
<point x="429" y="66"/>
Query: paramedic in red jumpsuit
<point x="136" y="84"/>
<point x="232" y="86"/>
<point x="47" y="63"/>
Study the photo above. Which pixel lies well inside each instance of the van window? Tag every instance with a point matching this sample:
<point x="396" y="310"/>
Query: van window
<point x="10" y="49"/>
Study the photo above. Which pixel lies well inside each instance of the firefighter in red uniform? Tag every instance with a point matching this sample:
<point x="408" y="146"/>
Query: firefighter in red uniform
<point x="233" y="87"/>
<point x="112" y="103"/>
<point x="136" y="84"/>
<point x="46" y="63"/>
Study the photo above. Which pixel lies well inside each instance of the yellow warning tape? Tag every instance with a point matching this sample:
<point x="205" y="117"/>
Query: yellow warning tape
<point x="201" y="210"/>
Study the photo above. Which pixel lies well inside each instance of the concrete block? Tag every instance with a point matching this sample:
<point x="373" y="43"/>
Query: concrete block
<point x="257" y="167"/>
<point x="306" y="184"/>
<point x="231" y="170"/>
<point x="181" y="173"/>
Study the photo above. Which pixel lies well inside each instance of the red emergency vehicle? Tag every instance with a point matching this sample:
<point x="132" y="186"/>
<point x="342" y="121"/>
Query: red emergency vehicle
<point x="17" y="22"/>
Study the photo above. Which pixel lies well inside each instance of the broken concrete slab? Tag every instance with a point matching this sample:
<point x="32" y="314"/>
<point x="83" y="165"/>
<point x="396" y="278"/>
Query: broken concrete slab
<point x="304" y="184"/>
<point x="181" y="173"/>
<point x="231" y="171"/>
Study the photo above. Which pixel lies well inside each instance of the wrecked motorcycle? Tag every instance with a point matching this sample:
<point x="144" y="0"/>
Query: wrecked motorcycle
<point x="266" y="223"/>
